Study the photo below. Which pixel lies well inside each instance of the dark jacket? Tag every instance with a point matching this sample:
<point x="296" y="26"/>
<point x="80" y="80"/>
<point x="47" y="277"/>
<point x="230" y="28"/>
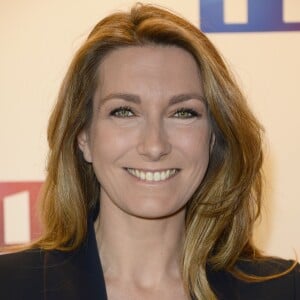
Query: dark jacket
<point x="56" y="275"/>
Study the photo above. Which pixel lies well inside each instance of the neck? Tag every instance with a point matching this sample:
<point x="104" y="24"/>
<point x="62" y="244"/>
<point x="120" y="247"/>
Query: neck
<point x="140" y="250"/>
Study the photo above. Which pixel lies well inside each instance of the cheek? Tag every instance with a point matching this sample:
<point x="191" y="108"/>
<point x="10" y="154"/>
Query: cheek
<point x="193" y="142"/>
<point x="109" y="142"/>
<point x="197" y="153"/>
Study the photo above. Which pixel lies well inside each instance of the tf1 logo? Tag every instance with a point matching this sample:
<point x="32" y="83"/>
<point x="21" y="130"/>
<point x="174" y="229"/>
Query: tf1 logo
<point x="263" y="15"/>
<point x="18" y="212"/>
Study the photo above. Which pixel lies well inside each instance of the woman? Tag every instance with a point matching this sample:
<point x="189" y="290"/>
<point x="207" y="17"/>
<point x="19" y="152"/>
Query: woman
<point x="154" y="170"/>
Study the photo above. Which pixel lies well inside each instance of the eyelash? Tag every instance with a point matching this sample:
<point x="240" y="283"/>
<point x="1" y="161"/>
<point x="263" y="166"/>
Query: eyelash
<point x="121" y="111"/>
<point x="191" y="113"/>
<point x="127" y="112"/>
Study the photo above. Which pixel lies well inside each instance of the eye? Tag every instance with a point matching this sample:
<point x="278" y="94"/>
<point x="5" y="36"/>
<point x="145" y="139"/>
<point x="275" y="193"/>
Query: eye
<point x="122" y="112"/>
<point x="186" y="113"/>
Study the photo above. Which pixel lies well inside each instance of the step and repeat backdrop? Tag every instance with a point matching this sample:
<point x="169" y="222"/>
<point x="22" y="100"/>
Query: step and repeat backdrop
<point x="259" y="39"/>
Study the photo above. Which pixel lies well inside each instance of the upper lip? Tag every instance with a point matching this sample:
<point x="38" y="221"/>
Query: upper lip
<point x="152" y="170"/>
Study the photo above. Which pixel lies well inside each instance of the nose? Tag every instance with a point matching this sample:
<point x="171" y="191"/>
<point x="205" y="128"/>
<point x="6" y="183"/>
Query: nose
<point x="154" y="143"/>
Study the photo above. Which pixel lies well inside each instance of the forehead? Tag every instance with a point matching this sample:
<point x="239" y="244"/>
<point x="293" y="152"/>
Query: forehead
<point x="153" y="68"/>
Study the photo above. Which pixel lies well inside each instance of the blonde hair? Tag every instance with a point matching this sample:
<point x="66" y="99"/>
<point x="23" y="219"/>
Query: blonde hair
<point x="222" y="211"/>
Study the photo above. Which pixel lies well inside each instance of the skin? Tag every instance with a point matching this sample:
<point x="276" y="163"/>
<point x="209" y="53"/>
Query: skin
<point x="148" y="114"/>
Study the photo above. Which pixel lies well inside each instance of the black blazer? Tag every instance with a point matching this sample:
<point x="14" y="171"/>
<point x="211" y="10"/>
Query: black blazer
<point x="57" y="275"/>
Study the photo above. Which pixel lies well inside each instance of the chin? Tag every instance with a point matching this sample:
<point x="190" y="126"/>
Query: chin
<point x="153" y="212"/>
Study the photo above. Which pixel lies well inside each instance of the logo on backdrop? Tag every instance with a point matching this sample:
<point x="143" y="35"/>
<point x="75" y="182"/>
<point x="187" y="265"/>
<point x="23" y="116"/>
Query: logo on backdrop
<point x="18" y="219"/>
<point x="263" y="15"/>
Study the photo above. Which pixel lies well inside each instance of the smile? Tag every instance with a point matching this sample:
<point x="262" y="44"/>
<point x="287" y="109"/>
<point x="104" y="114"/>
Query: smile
<point x="152" y="176"/>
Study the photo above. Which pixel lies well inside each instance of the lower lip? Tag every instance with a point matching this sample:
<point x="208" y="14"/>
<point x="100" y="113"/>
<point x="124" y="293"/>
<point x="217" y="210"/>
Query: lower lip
<point x="152" y="182"/>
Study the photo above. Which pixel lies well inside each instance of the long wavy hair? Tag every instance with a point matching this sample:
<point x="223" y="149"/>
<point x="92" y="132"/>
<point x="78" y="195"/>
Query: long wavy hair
<point x="221" y="213"/>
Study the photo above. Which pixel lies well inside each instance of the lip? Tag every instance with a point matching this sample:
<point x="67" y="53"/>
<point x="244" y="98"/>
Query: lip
<point x="152" y="176"/>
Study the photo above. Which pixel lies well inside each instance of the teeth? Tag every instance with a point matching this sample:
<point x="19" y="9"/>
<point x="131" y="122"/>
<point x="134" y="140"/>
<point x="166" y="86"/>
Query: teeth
<point x="157" y="176"/>
<point x="149" y="176"/>
<point x="152" y="176"/>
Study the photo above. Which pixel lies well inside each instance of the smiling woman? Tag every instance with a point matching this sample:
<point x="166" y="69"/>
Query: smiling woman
<point x="151" y="126"/>
<point x="154" y="176"/>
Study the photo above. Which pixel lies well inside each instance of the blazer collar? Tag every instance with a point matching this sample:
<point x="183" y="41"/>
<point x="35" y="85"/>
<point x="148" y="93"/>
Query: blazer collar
<point x="77" y="274"/>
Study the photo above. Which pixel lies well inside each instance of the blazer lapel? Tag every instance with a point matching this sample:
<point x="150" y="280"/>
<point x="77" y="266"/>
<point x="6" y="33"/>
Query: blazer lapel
<point x="75" y="275"/>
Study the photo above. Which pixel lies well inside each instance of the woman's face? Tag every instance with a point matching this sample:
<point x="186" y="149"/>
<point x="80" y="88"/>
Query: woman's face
<point x="149" y="139"/>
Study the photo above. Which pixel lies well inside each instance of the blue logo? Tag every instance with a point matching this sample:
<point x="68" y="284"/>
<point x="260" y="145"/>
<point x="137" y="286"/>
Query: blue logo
<point x="263" y="15"/>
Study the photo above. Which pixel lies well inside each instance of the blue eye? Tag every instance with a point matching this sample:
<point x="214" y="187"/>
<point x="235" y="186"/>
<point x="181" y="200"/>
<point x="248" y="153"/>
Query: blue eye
<point x="122" y="112"/>
<point x="185" y="113"/>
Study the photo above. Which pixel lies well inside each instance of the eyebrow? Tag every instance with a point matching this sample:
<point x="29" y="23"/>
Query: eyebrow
<point x="184" y="97"/>
<point x="127" y="97"/>
<point x="137" y="100"/>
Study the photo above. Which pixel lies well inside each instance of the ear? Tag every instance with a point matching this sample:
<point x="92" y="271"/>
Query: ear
<point x="84" y="146"/>
<point x="212" y="142"/>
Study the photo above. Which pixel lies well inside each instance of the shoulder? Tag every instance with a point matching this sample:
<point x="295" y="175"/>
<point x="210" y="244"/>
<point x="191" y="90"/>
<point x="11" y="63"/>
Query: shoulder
<point x="27" y="256"/>
<point x="266" y="266"/>
<point x="20" y="273"/>
<point x="281" y="287"/>
<point x="285" y="286"/>
<point x="19" y="262"/>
